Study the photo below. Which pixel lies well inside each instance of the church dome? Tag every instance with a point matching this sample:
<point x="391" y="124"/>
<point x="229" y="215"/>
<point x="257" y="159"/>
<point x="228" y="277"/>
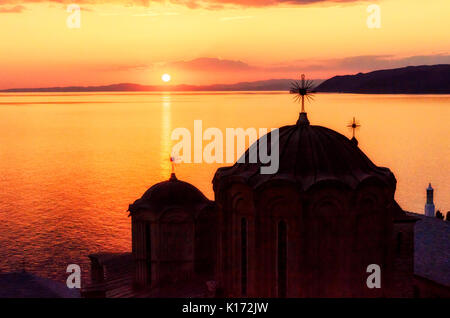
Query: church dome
<point x="170" y="194"/>
<point x="308" y="155"/>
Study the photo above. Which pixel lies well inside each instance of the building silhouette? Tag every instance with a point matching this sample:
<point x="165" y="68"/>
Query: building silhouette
<point x="312" y="228"/>
<point x="173" y="234"/>
<point x="309" y="230"/>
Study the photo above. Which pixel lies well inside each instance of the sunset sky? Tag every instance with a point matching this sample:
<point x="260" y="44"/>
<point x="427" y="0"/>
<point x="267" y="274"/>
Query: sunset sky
<point x="212" y="41"/>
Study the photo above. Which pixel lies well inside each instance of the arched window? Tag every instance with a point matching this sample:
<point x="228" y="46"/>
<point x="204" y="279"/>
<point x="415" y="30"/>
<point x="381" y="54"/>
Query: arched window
<point x="148" y="251"/>
<point x="282" y="259"/>
<point x="244" y="257"/>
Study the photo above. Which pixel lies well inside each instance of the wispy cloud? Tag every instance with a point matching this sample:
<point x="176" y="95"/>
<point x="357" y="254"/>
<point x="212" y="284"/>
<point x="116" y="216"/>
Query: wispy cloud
<point x="119" y="67"/>
<point x="236" y="18"/>
<point x="208" y="64"/>
<point x="347" y="64"/>
<point x="108" y="14"/>
<point x="193" y="4"/>
<point x="372" y="62"/>
<point x="14" y="9"/>
<point x="155" y="14"/>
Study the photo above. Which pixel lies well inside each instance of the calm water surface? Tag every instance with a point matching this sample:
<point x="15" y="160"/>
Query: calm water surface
<point x="71" y="163"/>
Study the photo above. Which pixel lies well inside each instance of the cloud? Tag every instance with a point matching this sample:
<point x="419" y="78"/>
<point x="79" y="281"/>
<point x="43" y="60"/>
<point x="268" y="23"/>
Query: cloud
<point x="206" y="64"/>
<point x="254" y="3"/>
<point x="15" y="9"/>
<point x="374" y="62"/>
<point x="362" y="63"/>
<point x="120" y="67"/>
<point x="236" y="18"/>
<point x="193" y="4"/>
<point x="155" y="14"/>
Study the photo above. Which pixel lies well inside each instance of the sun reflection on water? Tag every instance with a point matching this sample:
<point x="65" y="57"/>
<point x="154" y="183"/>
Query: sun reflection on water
<point x="165" y="141"/>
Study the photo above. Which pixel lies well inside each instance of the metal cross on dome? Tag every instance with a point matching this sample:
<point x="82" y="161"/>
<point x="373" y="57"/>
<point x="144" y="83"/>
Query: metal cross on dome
<point x="302" y="89"/>
<point x="354" y="125"/>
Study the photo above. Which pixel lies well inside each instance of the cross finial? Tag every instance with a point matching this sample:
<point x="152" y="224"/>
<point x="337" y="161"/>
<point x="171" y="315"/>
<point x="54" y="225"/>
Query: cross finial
<point x="302" y="89"/>
<point x="354" y="125"/>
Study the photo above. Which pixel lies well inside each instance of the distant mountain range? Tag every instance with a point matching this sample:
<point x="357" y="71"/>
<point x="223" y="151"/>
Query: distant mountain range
<point x="424" y="79"/>
<point x="267" y="85"/>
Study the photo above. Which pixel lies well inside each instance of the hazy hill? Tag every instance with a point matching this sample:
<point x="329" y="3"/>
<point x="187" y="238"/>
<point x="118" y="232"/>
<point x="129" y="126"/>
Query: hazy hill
<point x="267" y="85"/>
<point x="424" y="79"/>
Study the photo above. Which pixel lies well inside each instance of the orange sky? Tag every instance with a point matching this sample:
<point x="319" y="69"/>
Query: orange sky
<point x="211" y="41"/>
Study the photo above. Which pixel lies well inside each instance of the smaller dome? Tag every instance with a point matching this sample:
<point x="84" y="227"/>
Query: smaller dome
<point x="170" y="194"/>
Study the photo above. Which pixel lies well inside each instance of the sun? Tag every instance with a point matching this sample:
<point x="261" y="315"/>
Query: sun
<point x="166" y="78"/>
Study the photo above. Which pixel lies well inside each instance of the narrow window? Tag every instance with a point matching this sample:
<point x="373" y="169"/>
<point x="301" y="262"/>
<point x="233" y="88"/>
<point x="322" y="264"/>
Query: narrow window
<point x="244" y="257"/>
<point x="416" y="292"/>
<point x="399" y="242"/>
<point x="148" y="252"/>
<point x="282" y="259"/>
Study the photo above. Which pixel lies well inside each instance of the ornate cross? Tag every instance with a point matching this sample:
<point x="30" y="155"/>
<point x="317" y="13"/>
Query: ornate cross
<point x="354" y="125"/>
<point x="302" y="89"/>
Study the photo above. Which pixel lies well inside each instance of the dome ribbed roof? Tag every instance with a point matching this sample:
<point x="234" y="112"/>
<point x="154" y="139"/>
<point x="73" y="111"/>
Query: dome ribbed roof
<point x="307" y="155"/>
<point x="169" y="194"/>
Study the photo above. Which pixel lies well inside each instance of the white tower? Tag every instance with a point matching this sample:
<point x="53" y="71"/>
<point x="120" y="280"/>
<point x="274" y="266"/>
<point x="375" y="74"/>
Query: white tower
<point x="429" y="206"/>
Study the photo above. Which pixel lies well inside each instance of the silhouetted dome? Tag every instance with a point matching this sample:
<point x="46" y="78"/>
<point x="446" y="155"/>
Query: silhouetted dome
<point x="169" y="194"/>
<point x="309" y="155"/>
<point x="354" y="141"/>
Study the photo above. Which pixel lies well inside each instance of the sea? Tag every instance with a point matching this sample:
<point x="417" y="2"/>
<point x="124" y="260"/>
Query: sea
<point x="71" y="163"/>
